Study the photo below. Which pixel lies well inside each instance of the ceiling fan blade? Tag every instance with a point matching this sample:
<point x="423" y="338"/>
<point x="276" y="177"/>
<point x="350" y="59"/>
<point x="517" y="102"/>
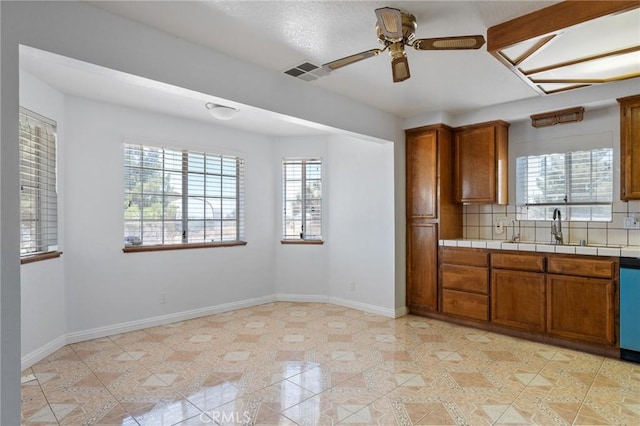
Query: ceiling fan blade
<point x="400" y="69"/>
<point x="390" y="22"/>
<point x="449" y="43"/>
<point x="334" y="65"/>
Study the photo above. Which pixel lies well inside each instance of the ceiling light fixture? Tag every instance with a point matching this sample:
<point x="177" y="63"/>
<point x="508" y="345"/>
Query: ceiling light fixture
<point x="221" y="112"/>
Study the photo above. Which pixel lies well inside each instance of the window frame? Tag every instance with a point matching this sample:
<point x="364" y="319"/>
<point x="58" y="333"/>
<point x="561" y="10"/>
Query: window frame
<point x="38" y="171"/>
<point x="185" y="173"/>
<point x="303" y="237"/>
<point x="568" y="202"/>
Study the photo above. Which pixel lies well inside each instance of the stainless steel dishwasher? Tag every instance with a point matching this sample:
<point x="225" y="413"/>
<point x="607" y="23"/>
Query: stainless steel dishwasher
<point x="630" y="309"/>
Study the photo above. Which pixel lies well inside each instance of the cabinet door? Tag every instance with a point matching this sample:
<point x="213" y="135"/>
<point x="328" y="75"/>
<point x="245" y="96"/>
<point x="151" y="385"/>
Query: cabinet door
<point x="630" y="148"/>
<point x="482" y="163"/>
<point x="422" y="174"/>
<point x="518" y="299"/>
<point x="581" y="308"/>
<point x="422" y="269"/>
<point x="475" y="172"/>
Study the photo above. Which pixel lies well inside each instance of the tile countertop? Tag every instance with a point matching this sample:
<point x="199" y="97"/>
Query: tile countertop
<point x="592" y="250"/>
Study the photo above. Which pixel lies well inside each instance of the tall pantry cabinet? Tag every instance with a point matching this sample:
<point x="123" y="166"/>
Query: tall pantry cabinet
<point x="431" y="211"/>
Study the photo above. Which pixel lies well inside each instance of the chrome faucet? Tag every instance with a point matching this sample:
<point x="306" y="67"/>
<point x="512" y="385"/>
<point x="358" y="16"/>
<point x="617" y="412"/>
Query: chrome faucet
<point x="514" y="237"/>
<point x="556" y="227"/>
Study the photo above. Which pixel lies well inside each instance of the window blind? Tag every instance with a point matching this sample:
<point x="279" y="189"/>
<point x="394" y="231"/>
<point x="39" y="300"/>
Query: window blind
<point x="179" y="196"/>
<point x="579" y="183"/>
<point x="302" y="199"/>
<point x="38" y="196"/>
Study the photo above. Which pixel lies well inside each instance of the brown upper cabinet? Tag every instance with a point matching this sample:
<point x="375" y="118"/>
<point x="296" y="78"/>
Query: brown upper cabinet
<point x="431" y="212"/>
<point x="481" y="163"/>
<point x="630" y="148"/>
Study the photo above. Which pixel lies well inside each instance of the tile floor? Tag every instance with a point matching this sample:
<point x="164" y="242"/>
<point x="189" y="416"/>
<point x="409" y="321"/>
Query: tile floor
<point x="320" y="364"/>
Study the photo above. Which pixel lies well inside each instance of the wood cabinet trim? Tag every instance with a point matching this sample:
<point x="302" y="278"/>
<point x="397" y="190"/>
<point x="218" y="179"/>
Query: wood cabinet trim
<point x="629" y="147"/>
<point x="595" y="267"/>
<point x="465" y="256"/>
<point x="518" y="261"/>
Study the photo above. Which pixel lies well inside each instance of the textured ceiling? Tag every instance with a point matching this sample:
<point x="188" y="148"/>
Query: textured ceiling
<point x="277" y="35"/>
<point x="280" y="34"/>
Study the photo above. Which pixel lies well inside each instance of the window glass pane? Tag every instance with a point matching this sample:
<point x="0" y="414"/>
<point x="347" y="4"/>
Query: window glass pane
<point x="154" y="195"/>
<point x="229" y="187"/>
<point x="196" y="231"/>
<point x="37" y="173"/>
<point x="213" y="186"/>
<point x="302" y="199"/>
<point x="580" y="182"/>
<point x="228" y="208"/>
<point x="228" y="230"/>
<point x="152" y="158"/>
<point x="229" y="166"/>
<point x="195" y="184"/>
<point x="173" y="160"/>
<point x="213" y="164"/>
<point x="213" y="230"/>
<point x="172" y="232"/>
<point x="196" y="162"/>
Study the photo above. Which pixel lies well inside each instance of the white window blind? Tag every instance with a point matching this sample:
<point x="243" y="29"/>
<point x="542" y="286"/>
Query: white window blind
<point x="38" y="196"/>
<point x="302" y="199"/>
<point x="179" y="197"/>
<point x="579" y="183"/>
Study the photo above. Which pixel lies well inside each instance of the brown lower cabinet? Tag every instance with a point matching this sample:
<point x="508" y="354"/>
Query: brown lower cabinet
<point x="581" y="308"/>
<point x="518" y="299"/>
<point x="564" y="299"/>
<point x="422" y="287"/>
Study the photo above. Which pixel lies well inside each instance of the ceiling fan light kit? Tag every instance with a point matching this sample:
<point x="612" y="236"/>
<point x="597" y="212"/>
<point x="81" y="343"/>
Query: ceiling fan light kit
<point x="221" y="112"/>
<point x="395" y="30"/>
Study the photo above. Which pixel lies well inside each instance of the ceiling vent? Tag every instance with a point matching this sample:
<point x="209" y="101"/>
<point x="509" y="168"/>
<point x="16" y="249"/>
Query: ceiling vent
<point x="306" y="71"/>
<point x="557" y="117"/>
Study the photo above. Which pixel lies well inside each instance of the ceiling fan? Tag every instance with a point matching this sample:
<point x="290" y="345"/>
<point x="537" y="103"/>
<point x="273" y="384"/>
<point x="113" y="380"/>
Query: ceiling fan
<point x="396" y="29"/>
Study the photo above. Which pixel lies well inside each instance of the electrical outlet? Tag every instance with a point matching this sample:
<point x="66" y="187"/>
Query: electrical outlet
<point x="352" y="286"/>
<point x="163" y="297"/>
<point x="631" y="222"/>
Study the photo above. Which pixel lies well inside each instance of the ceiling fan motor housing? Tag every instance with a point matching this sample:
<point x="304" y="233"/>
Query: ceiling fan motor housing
<point x="409" y="26"/>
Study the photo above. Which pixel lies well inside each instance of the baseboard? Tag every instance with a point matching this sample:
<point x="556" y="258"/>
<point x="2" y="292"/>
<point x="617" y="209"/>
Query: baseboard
<point x="110" y="330"/>
<point x="309" y="298"/>
<point x="42" y="352"/>
<point x="400" y="312"/>
<point x="372" y="309"/>
<point x="95" y="333"/>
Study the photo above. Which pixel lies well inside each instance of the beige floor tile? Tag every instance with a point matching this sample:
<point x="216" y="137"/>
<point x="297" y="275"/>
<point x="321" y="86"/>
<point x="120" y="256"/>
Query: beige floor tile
<point x="309" y="363"/>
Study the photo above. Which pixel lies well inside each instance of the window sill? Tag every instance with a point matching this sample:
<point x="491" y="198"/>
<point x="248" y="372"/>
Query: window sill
<point x="136" y="249"/>
<point x="40" y="257"/>
<point x="311" y="242"/>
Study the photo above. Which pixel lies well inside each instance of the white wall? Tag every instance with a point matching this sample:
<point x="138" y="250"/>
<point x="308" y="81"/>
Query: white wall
<point x="43" y="308"/>
<point x="361" y="223"/>
<point x="301" y="270"/>
<point x="106" y="286"/>
<point x="358" y="226"/>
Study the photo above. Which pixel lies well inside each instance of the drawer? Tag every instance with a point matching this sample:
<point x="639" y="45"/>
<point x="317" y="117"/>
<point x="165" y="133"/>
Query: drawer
<point x="518" y="261"/>
<point x="468" y="305"/>
<point x="465" y="278"/>
<point x="571" y="265"/>
<point x="470" y="257"/>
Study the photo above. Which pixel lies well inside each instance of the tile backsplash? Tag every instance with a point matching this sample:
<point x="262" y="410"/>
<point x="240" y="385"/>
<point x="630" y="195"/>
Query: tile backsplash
<point x="479" y="220"/>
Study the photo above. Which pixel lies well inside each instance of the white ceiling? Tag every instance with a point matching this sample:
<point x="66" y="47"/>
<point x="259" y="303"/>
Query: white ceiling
<point x="277" y="35"/>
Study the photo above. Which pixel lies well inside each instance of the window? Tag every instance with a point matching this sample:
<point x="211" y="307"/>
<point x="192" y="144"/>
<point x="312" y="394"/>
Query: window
<point x="38" y="197"/>
<point x="175" y="197"/>
<point x="302" y="200"/>
<point x="579" y="183"/>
